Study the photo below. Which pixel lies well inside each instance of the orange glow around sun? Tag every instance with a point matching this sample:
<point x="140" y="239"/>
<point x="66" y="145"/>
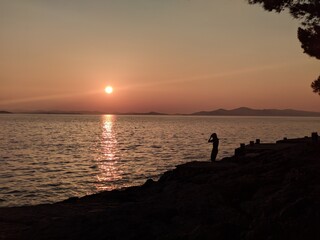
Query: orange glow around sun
<point x="108" y="89"/>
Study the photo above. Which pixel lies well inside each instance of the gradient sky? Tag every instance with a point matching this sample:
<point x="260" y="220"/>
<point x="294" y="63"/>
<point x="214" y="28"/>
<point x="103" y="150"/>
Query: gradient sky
<point x="174" y="56"/>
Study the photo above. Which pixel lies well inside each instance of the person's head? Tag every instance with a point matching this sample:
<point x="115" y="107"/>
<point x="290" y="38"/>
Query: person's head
<point x="214" y="135"/>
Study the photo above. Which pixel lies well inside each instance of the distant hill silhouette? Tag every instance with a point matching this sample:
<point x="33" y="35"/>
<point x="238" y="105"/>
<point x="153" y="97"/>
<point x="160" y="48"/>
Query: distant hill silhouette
<point x="90" y="112"/>
<point x="146" y="113"/>
<point x="245" y="111"/>
<point x="242" y="111"/>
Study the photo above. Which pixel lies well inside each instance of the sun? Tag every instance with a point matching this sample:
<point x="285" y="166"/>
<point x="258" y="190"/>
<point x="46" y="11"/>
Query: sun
<point x="108" y="89"/>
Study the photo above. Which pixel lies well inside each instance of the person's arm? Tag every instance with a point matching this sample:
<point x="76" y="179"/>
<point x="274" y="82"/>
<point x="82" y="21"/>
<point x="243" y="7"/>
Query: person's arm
<point x="210" y="139"/>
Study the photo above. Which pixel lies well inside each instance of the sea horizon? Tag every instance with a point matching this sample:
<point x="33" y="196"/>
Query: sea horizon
<point x="240" y="111"/>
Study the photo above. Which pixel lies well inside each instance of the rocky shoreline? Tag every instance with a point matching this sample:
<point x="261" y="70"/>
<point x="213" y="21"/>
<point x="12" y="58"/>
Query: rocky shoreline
<point x="271" y="194"/>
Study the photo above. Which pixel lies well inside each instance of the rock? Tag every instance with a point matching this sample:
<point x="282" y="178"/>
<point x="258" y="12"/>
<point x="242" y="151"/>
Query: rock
<point x="274" y="195"/>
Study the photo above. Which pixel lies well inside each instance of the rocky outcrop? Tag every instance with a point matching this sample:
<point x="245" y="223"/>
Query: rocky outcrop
<point x="274" y="195"/>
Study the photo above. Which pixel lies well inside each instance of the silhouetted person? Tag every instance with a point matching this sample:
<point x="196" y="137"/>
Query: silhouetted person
<point x="215" y="144"/>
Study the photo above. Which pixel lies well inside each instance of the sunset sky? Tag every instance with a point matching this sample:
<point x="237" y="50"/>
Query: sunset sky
<point x="174" y="56"/>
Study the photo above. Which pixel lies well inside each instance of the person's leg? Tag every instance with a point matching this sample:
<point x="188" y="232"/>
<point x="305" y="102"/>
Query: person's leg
<point x="214" y="155"/>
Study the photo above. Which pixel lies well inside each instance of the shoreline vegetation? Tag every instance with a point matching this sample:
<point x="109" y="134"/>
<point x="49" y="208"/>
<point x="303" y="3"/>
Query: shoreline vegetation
<point x="265" y="191"/>
<point x="242" y="111"/>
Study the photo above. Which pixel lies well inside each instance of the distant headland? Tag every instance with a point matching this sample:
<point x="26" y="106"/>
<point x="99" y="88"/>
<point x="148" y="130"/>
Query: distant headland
<point x="245" y="111"/>
<point x="242" y="111"/>
<point x="5" y="112"/>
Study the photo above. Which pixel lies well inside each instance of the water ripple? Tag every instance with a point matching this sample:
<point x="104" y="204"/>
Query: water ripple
<point x="48" y="158"/>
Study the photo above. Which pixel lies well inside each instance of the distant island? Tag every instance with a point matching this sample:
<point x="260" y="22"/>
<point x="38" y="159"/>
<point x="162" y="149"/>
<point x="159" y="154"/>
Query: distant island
<point x="245" y="111"/>
<point x="242" y="111"/>
<point x="91" y="113"/>
<point x="5" y="112"/>
<point x="146" y="113"/>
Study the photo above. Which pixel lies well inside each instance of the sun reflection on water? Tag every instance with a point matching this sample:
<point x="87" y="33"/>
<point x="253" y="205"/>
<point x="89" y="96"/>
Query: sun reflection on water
<point x="109" y="173"/>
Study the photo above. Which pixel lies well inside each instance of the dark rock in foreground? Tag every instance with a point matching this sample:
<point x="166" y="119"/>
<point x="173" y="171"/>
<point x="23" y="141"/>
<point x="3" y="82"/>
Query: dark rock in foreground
<point x="275" y="195"/>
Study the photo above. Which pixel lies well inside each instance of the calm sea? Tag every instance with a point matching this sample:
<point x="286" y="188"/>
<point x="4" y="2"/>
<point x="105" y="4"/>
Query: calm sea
<point x="48" y="158"/>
